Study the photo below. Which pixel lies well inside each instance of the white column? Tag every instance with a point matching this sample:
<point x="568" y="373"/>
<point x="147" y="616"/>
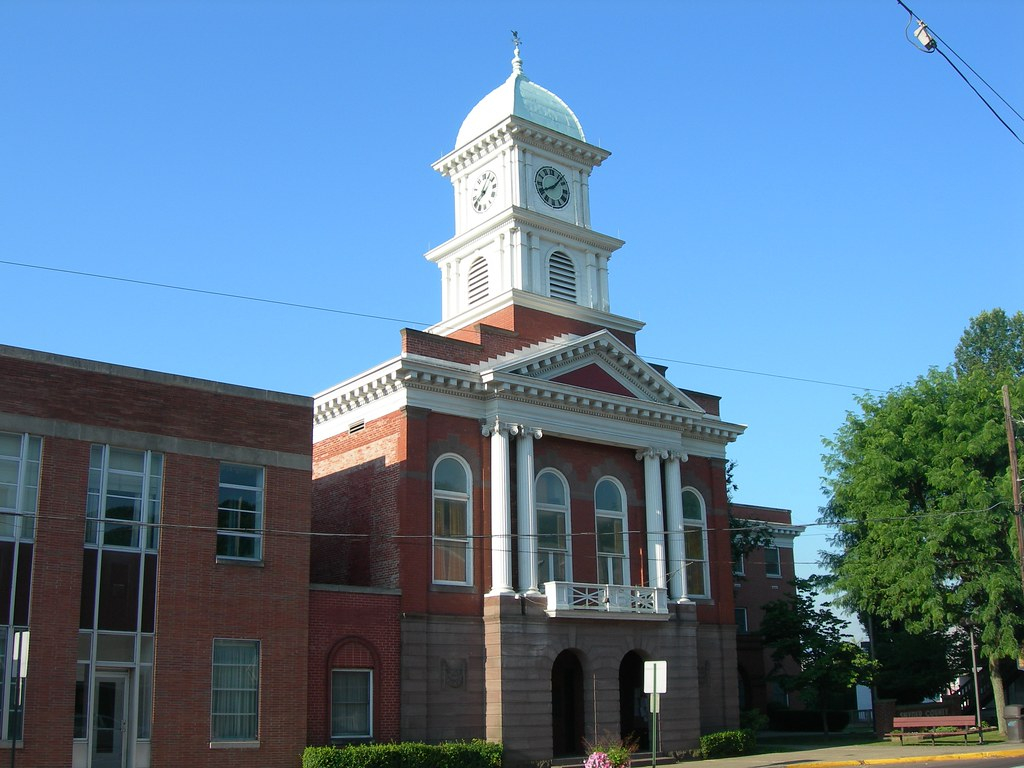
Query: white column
<point x="655" y="516"/>
<point x="501" y="509"/>
<point x="674" y="526"/>
<point x="527" y="527"/>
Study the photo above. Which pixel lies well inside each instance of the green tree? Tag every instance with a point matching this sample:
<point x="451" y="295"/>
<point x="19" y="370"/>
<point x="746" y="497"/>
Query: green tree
<point x="827" y="666"/>
<point x="919" y="492"/>
<point x="993" y="342"/>
<point x="913" y="666"/>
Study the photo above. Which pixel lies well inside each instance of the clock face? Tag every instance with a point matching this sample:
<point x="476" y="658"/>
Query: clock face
<point x="552" y="186"/>
<point x="485" y="188"/>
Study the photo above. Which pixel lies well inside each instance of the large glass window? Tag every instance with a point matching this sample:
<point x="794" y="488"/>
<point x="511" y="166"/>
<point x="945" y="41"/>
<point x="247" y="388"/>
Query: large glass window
<point x="234" y="709"/>
<point x="612" y="539"/>
<point x="123" y="502"/>
<point x="552" y="503"/>
<point x="695" y="544"/>
<point x="19" y="484"/>
<point x="240" y="512"/>
<point x="452" y="522"/>
<point x="351" y="704"/>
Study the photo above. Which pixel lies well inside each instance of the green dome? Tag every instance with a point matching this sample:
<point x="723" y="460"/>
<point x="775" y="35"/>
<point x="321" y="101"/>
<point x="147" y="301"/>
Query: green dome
<point x="523" y="98"/>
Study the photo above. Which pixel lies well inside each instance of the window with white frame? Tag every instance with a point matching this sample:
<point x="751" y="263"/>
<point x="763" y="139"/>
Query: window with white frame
<point x="452" y="522"/>
<point x="741" y="621"/>
<point x="772" y="562"/>
<point x="739" y="566"/>
<point x="695" y="544"/>
<point x="552" y="505"/>
<point x="234" y="707"/>
<point x="351" y="704"/>
<point x="240" y="512"/>
<point x="19" y="484"/>
<point x="123" y="501"/>
<point x="611" y="529"/>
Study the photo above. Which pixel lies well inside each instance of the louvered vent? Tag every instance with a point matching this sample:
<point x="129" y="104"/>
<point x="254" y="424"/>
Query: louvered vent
<point x="478" y="281"/>
<point x="562" y="277"/>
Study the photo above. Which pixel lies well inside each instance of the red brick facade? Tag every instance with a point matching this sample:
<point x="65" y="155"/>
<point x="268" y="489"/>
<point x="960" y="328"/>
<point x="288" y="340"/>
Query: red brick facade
<point x="191" y="597"/>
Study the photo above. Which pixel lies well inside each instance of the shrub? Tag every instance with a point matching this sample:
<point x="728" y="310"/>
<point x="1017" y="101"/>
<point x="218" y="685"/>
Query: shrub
<point x="727" y="744"/>
<point x="452" y="754"/>
<point x="753" y="720"/>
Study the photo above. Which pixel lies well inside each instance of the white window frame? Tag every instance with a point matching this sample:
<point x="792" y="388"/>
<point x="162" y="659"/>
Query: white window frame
<point x="740" y="617"/>
<point x="233" y="536"/>
<point x="604" y="559"/>
<point x="352" y="735"/>
<point x="103" y="482"/>
<point x="217" y="733"/>
<point x="17" y="518"/>
<point x="546" y="556"/>
<point x="739" y="567"/>
<point x="691" y="527"/>
<point x="465" y="541"/>
<point x="773" y="569"/>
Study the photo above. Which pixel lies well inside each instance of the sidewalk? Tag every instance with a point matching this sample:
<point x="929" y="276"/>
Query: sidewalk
<point x="860" y="754"/>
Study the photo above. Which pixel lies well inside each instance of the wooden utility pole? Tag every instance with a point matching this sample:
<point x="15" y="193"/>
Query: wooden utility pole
<point x="1011" y="438"/>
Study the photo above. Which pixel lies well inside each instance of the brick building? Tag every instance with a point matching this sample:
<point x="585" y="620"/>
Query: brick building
<point x="760" y="577"/>
<point x="154" y="536"/>
<point x="546" y="510"/>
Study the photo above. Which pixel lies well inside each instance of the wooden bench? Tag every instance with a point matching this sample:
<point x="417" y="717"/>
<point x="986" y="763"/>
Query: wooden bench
<point x="928" y="727"/>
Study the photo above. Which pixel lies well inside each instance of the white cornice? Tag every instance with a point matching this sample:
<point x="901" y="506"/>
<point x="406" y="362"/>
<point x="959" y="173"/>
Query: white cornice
<point x="525" y="132"/>
<point x="515" y="217"/>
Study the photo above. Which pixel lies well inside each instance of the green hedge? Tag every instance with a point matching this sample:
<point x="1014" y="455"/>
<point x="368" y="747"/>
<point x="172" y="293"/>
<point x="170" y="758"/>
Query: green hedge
<point x="727" y="744"/>
<point x="451" y="754"/>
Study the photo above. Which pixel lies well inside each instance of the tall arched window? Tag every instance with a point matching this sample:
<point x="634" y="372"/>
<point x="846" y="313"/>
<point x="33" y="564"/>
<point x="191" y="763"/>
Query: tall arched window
<point x="561" y="277"/>
<point x="478" y="280"/>
<point x="552" y="504"/>
<point x="695" y="544"/>
<point x="612" y="539"/>
<point x="453" y="555"/>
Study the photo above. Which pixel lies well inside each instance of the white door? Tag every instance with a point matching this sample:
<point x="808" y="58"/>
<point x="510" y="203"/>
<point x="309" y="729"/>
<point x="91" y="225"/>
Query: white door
<point x="110" y="720"/>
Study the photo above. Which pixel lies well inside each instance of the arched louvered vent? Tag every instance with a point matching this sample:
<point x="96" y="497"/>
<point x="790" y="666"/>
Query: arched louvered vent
<point x="478" y="281"/>
<point x="562" y="277"/>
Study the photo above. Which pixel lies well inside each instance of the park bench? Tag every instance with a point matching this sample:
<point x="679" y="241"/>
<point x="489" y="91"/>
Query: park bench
<point x="936" y="727"/>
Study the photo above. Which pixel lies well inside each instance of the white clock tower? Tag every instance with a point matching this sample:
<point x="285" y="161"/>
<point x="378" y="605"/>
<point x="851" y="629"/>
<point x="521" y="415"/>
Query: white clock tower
<point x="521" y="177"/>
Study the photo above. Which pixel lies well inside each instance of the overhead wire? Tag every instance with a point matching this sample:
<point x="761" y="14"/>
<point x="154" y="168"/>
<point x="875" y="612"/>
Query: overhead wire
<point x="386" y="318"/>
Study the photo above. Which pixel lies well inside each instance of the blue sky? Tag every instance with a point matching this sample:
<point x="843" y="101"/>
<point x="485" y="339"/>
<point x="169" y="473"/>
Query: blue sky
<point x="801" y="192"/>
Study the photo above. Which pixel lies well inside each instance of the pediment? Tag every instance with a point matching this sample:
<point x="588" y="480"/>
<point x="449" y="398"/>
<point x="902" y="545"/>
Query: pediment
<point x="598" y="363"/>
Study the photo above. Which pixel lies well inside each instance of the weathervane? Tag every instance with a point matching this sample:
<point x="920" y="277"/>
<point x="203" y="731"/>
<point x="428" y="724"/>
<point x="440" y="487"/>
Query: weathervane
<point x="516" y="41"/>
<point x="517" y="63"/>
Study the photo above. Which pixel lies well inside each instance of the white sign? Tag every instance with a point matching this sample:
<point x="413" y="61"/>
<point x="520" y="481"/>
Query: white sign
<point x="21" y="644"/>
<point x="655" y="676"/>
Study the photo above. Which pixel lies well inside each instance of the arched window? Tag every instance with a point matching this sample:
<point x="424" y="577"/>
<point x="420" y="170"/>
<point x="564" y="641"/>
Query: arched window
<point x="695" y="544"/>
<point x="612" y="539"/>
<point x="452" y="521"/>
<point x="478" y="280"/>
<point x="552" y="504"/>
<point x="561" y="277"/>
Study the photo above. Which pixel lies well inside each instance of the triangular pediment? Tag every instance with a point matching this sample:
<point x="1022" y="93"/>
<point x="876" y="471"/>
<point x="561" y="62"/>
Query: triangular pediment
<point x="599" y="363"/>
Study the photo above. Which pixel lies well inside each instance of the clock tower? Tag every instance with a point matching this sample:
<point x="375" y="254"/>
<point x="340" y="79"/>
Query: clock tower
<point x="520" y="173"/>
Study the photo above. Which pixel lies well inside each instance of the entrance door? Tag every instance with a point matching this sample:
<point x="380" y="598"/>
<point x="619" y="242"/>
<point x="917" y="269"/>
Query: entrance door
<point x="567" y="705"/>
<point x="110" y="720"/>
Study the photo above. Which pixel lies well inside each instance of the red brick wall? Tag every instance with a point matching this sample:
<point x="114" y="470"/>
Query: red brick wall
<point x="54" y="612"/>
<point x="354" y="630"/>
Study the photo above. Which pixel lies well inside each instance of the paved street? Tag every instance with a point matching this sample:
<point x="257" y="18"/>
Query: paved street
<point x="993" y="755"/>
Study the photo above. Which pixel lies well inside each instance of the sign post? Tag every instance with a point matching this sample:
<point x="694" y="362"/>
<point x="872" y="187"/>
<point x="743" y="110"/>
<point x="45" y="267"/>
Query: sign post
<point x="655" y="678"/>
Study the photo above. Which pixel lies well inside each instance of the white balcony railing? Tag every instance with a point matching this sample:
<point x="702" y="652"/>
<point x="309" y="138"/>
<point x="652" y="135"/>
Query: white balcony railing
<point x="566" y="596"/>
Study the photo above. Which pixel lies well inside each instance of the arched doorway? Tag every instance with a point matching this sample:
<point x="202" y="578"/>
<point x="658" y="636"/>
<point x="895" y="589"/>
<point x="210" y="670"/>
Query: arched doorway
<point x="634" y="711"/>
<point x="567" y="705"/>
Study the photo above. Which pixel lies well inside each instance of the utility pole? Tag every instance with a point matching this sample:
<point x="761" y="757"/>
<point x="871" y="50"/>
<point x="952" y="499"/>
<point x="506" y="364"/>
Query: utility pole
<point x="1011" y="438"/>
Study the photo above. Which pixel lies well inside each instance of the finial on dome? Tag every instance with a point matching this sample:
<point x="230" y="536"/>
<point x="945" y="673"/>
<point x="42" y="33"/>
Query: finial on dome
<point x="517" y="63"/>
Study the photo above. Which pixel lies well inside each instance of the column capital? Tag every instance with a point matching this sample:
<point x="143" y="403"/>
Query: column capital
<point x="651" y="453"/>
<point x="487" y="429"/>
<point x="535" y="432"/>
<point x="681" y="456"/>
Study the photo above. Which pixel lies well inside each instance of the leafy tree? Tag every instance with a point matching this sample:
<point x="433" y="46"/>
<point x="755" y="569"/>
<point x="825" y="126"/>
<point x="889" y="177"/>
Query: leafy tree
<point x="994" y="343"/>
<point x="912" y="667"/>
<point x="827" y="666"/>
<point x="919" y="491"/>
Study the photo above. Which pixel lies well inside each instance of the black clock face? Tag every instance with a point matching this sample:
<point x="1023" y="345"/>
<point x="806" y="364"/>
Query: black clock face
<point x="552" y="186"/>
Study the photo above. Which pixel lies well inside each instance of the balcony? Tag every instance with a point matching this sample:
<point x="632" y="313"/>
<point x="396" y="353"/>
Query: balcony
<point x="612" y="601"/>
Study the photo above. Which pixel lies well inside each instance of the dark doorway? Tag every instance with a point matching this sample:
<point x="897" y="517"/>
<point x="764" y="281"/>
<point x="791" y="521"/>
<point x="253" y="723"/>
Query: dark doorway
<point x="567" y="705"/>
<point x="634" y="711"/>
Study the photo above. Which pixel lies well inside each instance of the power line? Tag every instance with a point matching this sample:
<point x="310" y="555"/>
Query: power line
<point x="387" y="318"/>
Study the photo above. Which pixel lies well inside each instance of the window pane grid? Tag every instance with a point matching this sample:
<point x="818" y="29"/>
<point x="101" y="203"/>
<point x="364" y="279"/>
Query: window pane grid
<point x="123" y="498"/>
<point x="451" y="528"/>
<point x="240" y="512"/>
<point x="234" y="714"/>
<point x="351" y="703"/>
<point x="19" y="484"/>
